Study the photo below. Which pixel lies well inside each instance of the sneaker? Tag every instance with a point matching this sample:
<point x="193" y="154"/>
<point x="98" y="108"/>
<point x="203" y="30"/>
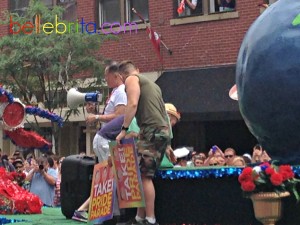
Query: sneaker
<point x="133" y="222"/>
<point x="80" y="216"/>
<point x="146" y="222"/>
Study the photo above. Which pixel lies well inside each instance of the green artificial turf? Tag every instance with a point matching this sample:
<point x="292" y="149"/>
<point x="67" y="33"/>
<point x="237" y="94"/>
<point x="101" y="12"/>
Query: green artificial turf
<point x="49" y="216"/>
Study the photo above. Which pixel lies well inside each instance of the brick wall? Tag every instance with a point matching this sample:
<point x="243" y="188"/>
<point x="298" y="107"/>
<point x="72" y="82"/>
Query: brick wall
<point x="194" y="45"/>
<point x="3" y="7"/>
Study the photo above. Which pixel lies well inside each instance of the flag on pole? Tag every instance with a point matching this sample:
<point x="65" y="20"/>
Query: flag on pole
<point x="153" y="36"/>
<point x="155" y="40"/>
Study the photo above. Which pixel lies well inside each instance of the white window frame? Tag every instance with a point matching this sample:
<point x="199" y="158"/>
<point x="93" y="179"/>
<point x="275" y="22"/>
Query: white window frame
<point x="125" y="12"/>
<point x="128" y="10"/>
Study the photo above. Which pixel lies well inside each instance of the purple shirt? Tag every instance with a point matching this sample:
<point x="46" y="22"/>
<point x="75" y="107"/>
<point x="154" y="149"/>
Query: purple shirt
<point x="111" y="129"/>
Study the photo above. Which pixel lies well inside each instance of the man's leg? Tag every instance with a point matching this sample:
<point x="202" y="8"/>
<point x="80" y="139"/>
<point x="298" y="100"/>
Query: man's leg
<point x="149" y="193"/>
<point x="85" y="205"/>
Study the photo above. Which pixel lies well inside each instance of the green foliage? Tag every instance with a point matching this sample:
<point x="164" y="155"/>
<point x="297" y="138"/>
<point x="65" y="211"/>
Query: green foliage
<point x="40" y="63"/>
<point x="46" y="64"/>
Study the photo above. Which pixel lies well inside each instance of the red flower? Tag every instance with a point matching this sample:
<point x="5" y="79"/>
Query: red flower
<point x="246" y="175"/>
<point x="276" y="179"/>
<point x="286" y="172"/>
<point x="269" y="171"/>
<point x="248" y="186"/>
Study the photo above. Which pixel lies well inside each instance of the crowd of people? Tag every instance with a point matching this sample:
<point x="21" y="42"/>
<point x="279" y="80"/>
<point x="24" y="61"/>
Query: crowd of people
<point x="39" y="175"/>
<point x="217" y="157"/>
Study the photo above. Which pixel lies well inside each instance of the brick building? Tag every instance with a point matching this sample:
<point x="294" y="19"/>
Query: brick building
<point x="198" y="75"/>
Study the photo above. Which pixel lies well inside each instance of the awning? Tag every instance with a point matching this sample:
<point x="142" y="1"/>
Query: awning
<point x="201" y="94"/>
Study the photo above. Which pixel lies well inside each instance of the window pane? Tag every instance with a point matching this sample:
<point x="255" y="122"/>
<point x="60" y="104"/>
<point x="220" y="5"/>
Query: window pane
<point x="47" y="2"/>
<point x="70" y="13"/>
<point x="141" y="6"/>
<point x="227" y="5"/>
<point x="19" y="6"/>
<point x="109" y="11"/>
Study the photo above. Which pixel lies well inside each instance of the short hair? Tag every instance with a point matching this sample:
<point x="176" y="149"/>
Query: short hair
<point x="112" y="68"/>
<point x="258" y="146"/>
<point x="230" y="149"/>
<point x="126" y="66"/>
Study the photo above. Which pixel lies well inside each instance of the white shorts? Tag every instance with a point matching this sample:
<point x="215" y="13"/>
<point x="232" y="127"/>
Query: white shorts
<point x="101" y="147"/>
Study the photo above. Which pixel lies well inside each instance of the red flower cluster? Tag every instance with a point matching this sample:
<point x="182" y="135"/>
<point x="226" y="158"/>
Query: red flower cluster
<point x="268" y="178"/>
<point x="15" y="199"/>
<point x="18" y="177"/>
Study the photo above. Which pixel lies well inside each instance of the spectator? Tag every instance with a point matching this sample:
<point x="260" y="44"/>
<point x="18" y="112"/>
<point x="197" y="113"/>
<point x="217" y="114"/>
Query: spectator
<point x="190" y="7"/>
<point x="227" y="5"/>
<point x="198" y="161"/>
<point x="19" y="167"/>
<point x="216" y="153"/>
<point x="229" y="155"/>
<point x="5" y="163"/>
<point x="58" y="181"/>
<point x="213" y="161"/>
<point x="182" y="156"/>
<point x="247" y="158"/>
<point x="174" y="117"/>
<point x="195" y="6"/>
<point x="43" y="179"/>
<point x="257" y="153"/>
<point x="238" y="161"/>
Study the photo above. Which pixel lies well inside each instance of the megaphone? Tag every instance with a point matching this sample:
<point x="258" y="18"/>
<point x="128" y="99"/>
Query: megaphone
<point x="75" y="98"/>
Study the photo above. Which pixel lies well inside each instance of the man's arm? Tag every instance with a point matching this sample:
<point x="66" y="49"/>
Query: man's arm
<point x="191" y="5"/>
<point x="133" y="95"/>
<point x="119" y="110"/>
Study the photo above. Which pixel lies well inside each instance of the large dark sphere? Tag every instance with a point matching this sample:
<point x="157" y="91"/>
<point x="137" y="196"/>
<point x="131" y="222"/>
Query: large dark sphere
<point x="268" y="80"/>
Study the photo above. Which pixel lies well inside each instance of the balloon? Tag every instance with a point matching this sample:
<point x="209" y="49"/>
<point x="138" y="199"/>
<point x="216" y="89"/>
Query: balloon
<point x="268" y="80"/>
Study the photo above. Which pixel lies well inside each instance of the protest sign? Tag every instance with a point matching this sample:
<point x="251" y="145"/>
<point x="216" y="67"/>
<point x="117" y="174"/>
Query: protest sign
<point x="102" y="193"/>
<point x="127" y="173"/>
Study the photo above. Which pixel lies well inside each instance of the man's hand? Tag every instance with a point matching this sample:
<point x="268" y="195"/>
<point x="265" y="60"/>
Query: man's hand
<point x="170" y="154"/>
<point x="121" y="135"/>
<point x="91" y="119"/>
<point x="109" y="161"/>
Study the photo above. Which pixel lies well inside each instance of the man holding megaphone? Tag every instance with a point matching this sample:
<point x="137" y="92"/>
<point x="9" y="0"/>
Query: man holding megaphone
<point x="114" y="107"/>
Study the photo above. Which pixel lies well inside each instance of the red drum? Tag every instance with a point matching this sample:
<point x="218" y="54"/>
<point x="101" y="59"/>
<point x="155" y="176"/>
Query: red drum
<point x="13" y="115"/>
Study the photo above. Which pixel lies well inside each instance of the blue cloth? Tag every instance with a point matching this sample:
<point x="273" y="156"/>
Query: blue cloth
<point x="112" y="128"/>
<point x="42" y="188"/>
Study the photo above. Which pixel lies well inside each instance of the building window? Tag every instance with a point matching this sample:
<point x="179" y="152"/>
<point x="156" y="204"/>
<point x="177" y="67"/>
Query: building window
<point x="203" y="7"/>
<point x="18" y="6"/>
<point x="140" y="6"/>
<point x="70" y="6"/>
<point x="109" y="11"/>
<point x="120" y="11"/>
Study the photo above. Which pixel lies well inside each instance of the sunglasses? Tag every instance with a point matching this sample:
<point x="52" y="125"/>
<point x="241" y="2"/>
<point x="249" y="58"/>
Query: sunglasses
<point x="228" y="156"/>
<point x="18" y="167"/>
<point x="213" y="164"/>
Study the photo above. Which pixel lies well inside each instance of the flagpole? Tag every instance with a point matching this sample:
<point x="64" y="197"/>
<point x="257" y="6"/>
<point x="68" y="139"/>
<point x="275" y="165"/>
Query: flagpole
<point x="143" y="20"/>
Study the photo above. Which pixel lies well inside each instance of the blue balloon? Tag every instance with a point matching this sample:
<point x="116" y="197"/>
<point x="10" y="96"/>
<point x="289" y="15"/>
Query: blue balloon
<point x="268" y="80"/>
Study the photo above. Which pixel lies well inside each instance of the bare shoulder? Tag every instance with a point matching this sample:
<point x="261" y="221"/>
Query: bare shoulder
<point x="131" y="80"/>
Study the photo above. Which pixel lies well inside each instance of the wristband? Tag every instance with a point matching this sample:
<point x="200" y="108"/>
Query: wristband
<point x="124" y="128"/>
<point x="97" y="117"/>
